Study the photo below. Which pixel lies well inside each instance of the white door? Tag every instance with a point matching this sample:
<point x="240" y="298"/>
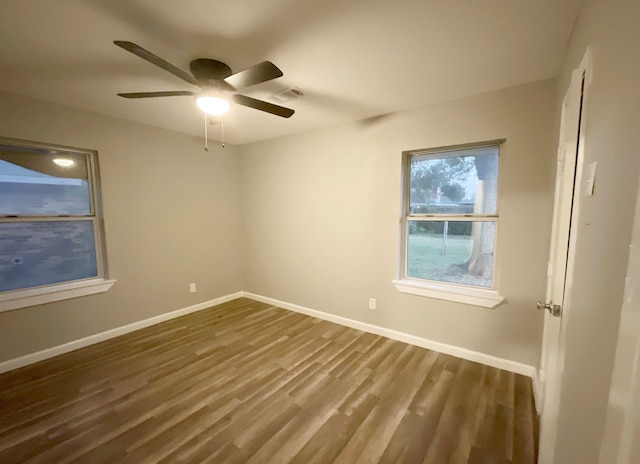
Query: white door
<point x="560" y="271"/>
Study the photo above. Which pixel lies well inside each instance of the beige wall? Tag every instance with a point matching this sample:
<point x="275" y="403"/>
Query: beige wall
<point x="310" y="219"/>
<point x="172" y="217"/>
<point x="621" y="442"/>
<point x="322" y="213"/>
<point x="611" y="30"/>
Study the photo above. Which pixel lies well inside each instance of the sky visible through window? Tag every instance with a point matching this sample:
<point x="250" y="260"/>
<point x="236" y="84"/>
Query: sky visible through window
<point x="45" y="251"/>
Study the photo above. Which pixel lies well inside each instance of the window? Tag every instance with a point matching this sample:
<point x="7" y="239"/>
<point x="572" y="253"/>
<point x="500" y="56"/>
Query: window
<point x="450" y="222"/>
<point x="51" y="237"/>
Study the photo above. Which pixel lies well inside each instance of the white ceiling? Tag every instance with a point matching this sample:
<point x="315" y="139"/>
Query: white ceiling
<point x="353" y="59"/>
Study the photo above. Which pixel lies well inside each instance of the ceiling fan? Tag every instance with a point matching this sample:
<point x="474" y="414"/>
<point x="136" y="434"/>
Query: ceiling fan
<point x="216" y="81"/>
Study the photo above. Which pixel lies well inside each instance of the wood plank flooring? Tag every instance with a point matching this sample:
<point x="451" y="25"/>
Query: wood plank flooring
<point x="245" y="382"/>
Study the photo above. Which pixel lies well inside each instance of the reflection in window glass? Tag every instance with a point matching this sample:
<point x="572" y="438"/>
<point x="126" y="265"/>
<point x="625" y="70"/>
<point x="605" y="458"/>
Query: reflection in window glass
<point x="41" y="253"/>
<point x="50" y="223"/>
<point x="33" y="183"/>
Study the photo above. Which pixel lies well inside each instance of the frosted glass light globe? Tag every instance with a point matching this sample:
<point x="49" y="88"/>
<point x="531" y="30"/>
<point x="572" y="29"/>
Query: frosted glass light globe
<point x="214" y="106"/>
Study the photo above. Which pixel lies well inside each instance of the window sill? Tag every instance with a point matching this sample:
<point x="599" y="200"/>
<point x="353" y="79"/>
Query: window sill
<point x="471" y="296"/>
<point x="35" y="296"/>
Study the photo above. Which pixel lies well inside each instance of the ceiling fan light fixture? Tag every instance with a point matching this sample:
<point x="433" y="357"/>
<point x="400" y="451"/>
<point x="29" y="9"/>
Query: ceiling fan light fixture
<point x="215" y="106"/>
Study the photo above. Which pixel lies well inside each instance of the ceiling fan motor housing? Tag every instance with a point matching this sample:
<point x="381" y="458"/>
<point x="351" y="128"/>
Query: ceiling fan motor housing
<point x="206" y="70"/>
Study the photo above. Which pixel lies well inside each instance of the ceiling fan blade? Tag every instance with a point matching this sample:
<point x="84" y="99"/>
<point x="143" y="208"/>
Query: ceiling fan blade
<point x="263" y="106"/>
<point x="261" y="72"/>
<point x="170" y="93"/>
<point x="153" y="59"/>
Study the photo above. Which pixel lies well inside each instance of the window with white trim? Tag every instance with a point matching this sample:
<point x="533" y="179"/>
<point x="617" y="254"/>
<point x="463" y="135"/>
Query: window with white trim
<point x="51" y="232"/>
<point x="450" y="218"/>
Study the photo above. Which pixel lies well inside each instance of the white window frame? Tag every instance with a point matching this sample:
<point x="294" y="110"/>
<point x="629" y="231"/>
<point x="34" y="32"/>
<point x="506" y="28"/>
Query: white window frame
<point x="472" y="295"/>
<point x="20" y="298"/>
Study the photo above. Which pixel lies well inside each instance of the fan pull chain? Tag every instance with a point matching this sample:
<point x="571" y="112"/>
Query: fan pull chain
<point x="206" y="137"/>
<point x="206" y="131"/>
<point x="222" y="129"/>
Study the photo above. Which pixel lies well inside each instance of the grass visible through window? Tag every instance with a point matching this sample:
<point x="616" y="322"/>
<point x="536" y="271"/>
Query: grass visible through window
<point x="429" y="259"/>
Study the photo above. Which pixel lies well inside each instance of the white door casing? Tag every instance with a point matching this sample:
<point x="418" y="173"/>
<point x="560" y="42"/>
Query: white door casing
<point x="562" y="251"/>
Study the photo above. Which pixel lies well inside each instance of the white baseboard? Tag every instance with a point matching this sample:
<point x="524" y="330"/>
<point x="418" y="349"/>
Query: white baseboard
<point x="99" y="337"/>
<point x="469" y="355"/>
<point x="452" y="350"/>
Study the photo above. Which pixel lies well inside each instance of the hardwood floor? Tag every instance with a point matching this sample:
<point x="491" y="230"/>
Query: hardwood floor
<point x="245" y="382"/>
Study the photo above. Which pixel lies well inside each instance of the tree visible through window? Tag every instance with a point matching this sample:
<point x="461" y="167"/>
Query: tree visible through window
<point x="451" y="215"/>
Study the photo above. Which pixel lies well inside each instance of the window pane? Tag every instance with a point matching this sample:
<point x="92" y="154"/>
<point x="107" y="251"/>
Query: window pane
<point x="41" y="253"/>
<point x="35" y="182"/>
<point x="454" y="182"/>
<point x="459" y="252"/>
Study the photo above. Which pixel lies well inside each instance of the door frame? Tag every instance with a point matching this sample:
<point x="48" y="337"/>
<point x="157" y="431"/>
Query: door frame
<point x="553" y="380"/>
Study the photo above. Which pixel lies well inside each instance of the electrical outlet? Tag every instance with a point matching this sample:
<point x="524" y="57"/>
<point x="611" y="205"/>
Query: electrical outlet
<point x="372" y="303"/>
<point x="192" y="287"/>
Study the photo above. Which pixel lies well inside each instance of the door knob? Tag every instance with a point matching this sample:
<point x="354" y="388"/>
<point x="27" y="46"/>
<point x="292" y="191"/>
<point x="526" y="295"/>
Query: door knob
<point x="554" y="310"/>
